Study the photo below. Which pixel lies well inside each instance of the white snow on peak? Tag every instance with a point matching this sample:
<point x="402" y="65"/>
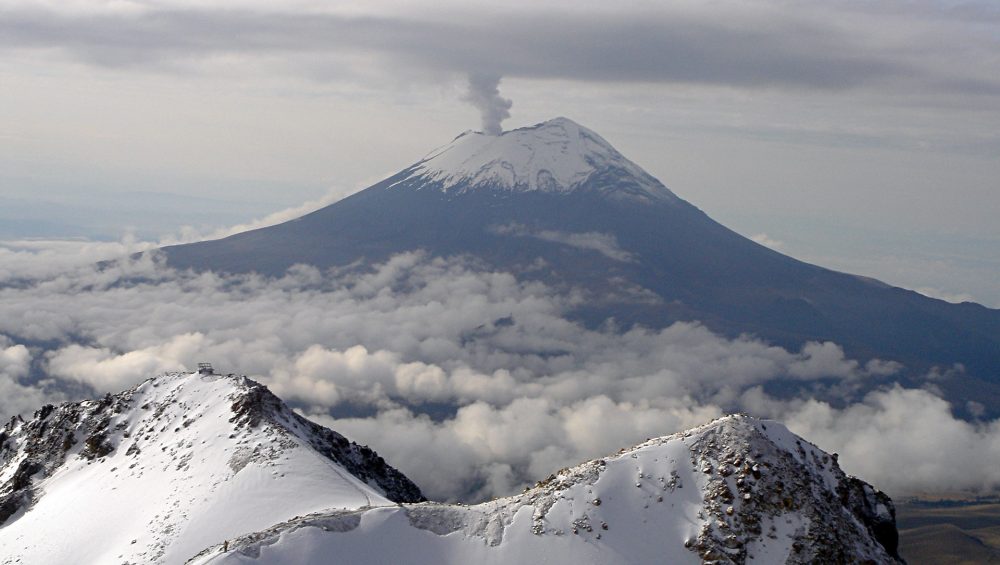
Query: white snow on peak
<point x="187" y="471"/>
<point x="208" y="469"/>
<point x="737" y="490"/>
<point x="554" y="156"/>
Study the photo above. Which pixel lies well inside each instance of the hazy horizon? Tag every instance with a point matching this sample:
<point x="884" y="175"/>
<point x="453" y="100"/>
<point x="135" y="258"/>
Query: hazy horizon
<point x="862" y="137"/>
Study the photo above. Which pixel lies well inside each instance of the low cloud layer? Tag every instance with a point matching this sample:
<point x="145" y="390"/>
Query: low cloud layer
<point x="906" y="438"/>
<point x="470" y="381"/>
<point x="16" y="397"/>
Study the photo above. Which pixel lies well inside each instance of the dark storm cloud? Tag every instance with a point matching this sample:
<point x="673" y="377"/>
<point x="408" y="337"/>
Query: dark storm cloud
<point x="779" y="50"/>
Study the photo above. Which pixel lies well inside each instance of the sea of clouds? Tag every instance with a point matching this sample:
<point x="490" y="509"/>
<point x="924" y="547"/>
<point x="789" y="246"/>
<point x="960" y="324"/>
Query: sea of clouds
<point x="473" y="383"/>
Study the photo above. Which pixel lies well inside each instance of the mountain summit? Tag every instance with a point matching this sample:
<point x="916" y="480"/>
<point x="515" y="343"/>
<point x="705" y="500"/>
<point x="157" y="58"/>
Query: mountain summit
<point x="557" y="156"/>
<point x="735" y="491"/>
<point x="203" y="468"/>
<point x="181" y="461"/>
<point x="556" y="203"/>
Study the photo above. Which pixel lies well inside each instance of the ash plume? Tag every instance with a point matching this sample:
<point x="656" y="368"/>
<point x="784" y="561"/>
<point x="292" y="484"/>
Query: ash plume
<point x="484" y="94"/>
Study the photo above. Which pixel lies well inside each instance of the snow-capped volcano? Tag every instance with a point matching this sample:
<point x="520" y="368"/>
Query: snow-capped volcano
<point x="182" y="461"/>
<point x="556" y="156"/>
<point x="556" y="203"/>
<point x="735" y="491"/>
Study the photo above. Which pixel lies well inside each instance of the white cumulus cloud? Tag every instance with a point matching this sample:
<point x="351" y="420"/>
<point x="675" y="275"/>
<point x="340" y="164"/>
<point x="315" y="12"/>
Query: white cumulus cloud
<point x="470" y="381"/>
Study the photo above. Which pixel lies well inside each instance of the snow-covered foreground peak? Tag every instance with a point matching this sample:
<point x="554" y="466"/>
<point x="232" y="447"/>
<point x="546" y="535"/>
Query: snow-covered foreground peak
<point x="738" y="490"/>
<point x="158" y="472"/>
<point x="558" y="156"/>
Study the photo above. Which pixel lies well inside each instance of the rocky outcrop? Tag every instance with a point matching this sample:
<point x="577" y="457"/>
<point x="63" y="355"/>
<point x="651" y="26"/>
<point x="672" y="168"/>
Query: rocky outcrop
<point x="735" y="491"/>
<point x="256" y="405"/>
<point x="754" y="477"/>
<point x="32" y="450"/>
<point x="875" y="510"/>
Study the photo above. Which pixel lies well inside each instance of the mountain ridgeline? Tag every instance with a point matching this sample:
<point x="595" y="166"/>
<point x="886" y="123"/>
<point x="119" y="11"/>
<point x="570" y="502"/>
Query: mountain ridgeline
<point x="203" y="468"/>
<point x="558" y="192"/>
<point x="170" y="466"/>
<point x="735" y="491"/>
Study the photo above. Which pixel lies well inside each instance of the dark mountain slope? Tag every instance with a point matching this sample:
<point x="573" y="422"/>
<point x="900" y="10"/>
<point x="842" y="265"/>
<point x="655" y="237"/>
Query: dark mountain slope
<point x="613" y="230"/>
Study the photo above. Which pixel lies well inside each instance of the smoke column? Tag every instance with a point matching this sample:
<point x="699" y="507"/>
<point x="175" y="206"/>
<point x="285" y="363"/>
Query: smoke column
<point x="484" y="94"/>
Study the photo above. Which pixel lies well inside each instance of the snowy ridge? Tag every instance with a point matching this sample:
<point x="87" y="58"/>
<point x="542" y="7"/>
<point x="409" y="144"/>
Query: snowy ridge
<point x="738" y="490"/>
<point x="557" y="156"/>
<point x="181" y="461"/>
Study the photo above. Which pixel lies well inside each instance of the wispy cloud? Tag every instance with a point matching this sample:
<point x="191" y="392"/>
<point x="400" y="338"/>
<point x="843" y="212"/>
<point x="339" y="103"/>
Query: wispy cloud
<point x="955" y="298"/>
<point x="604" y="243"/>
<point x="767" y="241"/>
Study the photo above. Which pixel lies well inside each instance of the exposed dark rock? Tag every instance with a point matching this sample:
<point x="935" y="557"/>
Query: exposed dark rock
<point x="97" y="445"/>
<point x="17" y="493"/>
<point x="256" y="405"/>
<point x="875" y="510"/>
<point x="92" y="430"/>
<point x="772" y="481"/>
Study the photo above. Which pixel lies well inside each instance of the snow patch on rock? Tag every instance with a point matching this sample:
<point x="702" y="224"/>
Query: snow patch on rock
<point x="182" y="461"/>
<point x="736" y="491"/>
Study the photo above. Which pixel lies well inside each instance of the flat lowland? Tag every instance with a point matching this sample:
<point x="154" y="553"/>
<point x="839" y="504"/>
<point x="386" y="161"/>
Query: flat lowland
<point x="952" y="531"/>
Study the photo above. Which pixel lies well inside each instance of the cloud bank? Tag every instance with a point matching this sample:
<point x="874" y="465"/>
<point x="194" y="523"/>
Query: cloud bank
<point x="762" y="44"/>
<point x="473" y="383"/>
<point x="17" y="397"/>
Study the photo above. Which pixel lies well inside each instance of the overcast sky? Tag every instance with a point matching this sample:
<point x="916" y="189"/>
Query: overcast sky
<point x="862" y="136"/>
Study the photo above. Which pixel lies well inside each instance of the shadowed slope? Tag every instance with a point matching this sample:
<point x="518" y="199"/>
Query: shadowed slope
<point x="602" y="224"/>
